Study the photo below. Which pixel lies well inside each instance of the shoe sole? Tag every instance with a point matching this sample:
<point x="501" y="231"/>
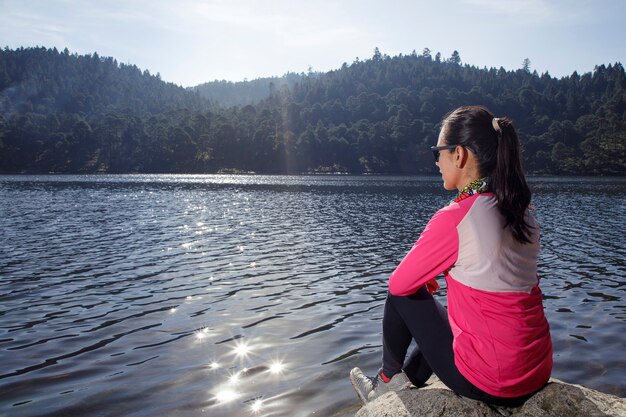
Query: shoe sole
<point x="358" y="393"/>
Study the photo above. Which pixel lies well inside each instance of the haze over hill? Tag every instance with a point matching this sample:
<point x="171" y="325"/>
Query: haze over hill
<point x="63" y="112"/>
<point x="227" y="93"/>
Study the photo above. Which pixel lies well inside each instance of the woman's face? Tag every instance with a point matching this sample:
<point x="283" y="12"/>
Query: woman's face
<point x="447" y="164"/>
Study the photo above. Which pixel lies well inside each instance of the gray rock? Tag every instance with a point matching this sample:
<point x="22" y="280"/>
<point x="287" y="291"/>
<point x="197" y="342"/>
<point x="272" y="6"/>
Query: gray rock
<point x="557" y="399"/>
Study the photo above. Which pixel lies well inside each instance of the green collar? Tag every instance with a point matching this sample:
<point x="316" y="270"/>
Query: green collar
<point x="477" y="186"/>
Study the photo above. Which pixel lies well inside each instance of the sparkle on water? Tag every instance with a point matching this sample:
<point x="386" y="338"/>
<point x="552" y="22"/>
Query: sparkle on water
<point x="234" y="378"/>
<point x="201" y="334"/>
<point x="256" y="406"/>
<point x="226" y="395"/>
<point x="276" y="367"/>
<point x="241" y="349"/>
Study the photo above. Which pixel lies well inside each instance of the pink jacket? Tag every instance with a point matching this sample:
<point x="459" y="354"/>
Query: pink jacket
<point x="501" y="336"/>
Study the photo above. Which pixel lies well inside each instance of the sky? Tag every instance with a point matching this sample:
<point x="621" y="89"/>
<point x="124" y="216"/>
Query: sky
<point x="189" y="42"/>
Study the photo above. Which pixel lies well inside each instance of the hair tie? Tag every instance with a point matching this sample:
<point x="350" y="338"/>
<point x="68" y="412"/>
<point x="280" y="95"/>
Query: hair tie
<point x="496" y="126"/>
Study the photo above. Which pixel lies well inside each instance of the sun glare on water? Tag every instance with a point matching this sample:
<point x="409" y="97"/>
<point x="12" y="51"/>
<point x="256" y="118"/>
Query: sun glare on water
<point x="226" y="396"/>
<point x="241" y="350"/>
<point x="276" y="367"/>
<point x="256" y="406"/>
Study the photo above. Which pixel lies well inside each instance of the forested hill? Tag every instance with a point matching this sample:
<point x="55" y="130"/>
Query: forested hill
<point x="61" y="112"/>
<point x="228" y="93"/>
<point x="45" y="80"/>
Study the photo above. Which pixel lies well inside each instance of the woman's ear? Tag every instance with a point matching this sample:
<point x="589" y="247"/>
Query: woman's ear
<point x="460" y="157"/>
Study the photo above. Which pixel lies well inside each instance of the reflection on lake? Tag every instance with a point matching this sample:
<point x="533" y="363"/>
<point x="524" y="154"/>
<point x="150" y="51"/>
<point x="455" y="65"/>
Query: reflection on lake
<point x="255" y="295"/>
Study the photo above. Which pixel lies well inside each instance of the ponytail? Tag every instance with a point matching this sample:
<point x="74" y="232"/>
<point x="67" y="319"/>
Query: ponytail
<point x="495" y="144"/>
<point x="508" y="181"/>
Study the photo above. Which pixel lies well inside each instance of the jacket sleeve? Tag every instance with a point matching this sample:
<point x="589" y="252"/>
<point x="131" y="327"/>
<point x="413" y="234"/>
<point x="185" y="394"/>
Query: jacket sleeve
<point x="435" y="251"/>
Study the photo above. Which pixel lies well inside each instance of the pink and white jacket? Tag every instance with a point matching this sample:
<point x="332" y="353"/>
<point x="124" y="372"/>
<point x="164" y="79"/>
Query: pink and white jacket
<point x="502" y="340"/>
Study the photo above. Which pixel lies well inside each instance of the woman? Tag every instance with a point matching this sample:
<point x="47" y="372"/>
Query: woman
<point x="493" y="342"/>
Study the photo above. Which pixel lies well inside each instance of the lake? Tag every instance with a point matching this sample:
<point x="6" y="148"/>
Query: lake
<point x="235" y="295"/>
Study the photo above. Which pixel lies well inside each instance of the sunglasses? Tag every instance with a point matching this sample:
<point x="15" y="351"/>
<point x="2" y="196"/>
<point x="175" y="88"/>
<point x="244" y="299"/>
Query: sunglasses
<point x="436" y="150"/>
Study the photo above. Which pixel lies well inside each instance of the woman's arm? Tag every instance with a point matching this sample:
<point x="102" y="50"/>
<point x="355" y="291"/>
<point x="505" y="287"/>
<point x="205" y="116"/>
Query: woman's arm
<point x="435" y="251"/>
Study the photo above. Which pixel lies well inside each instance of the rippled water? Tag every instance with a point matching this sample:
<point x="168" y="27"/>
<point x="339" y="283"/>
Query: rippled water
<point x="255" y="295"/>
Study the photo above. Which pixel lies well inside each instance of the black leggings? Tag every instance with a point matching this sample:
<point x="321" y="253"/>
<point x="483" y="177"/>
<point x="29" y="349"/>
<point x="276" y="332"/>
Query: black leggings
<point x="419" y="316"/>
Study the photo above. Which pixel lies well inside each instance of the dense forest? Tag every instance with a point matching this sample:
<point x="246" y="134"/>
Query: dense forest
<point x="228" y="94"/>
<point x="69" y="113"/>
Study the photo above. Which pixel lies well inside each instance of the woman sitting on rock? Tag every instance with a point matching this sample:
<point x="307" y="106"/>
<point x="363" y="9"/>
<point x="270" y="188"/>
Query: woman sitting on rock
<point x="493" y="342"/>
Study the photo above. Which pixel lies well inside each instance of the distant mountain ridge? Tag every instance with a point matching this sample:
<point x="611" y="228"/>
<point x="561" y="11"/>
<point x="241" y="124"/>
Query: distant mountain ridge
<point x="240" y="93"/>
<point x="63" y="112"/>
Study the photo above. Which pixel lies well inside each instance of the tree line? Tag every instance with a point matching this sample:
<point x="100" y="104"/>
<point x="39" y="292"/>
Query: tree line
<point x="69" y="113"/>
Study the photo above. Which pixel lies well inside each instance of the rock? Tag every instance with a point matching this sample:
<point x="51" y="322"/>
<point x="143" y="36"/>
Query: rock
<point x="557" y="399"/>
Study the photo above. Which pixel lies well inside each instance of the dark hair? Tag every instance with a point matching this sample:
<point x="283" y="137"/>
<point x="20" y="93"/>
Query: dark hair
<point x="497" y="149"/>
